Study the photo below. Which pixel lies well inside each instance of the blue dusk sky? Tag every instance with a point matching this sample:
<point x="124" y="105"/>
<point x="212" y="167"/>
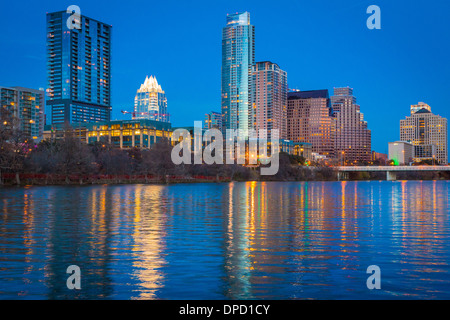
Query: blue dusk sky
<point x="321" y="44"/>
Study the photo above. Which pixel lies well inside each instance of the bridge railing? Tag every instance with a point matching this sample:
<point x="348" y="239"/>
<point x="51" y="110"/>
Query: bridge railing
<point x="393" y="168"/>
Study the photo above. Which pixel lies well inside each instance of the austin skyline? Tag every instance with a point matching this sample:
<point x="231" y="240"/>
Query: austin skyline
<point x="379" y="64"/>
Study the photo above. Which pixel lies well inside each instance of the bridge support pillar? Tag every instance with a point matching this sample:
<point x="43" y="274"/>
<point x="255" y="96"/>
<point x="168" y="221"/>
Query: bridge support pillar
<point x="342" y="175"/>
<point x="391" y="176"/>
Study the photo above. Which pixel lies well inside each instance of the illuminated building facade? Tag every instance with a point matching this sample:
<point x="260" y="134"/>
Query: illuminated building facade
<point x="268" y="99"/>
<point x="309" y="119"/>
<point x="150" y="102"/>
<point x="238" y="56"/>
<point x="213" y="120"/>
<point x="428" y="133"/>
<point x="141" y="133"/>
<point x="28" y="106"/>
<point x="353" y="139"/>
<point x="78" y="70"/>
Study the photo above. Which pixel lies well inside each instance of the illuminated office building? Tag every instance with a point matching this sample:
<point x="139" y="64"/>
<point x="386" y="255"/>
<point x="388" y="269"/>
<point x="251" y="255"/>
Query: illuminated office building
<point x="27" y="106"/>
<point x="150" y="101"/>
<point x="309" y="119"/>
<point x="427" y="132"/>
<point x="238" y="56"/>
<point x="78" y="70"/>
<point x="268" y="99"/>
<point x="353" y="138"/>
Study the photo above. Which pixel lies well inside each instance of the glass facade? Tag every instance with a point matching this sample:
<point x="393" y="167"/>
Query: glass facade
<point x="150" y="102"/>
<point x="78" y="70"/>
<point x="238" y="56"/>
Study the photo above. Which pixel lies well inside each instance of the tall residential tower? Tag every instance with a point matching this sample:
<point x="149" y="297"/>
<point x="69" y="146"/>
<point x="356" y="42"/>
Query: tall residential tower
<point x="238" y="56"/>
<point x="269" y="99"/>
<point x="78" y="69"/>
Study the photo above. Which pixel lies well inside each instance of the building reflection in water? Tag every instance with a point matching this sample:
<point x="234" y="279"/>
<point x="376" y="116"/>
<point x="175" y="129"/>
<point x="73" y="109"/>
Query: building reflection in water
<point x="249" y="240"/>
<point x="274" y="229"/>
<point x="149" y="239"/>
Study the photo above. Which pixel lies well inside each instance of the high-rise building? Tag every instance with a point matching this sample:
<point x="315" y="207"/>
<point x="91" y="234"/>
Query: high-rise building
<point x="268" y="99"/>
<point x="213" y="120"/>
<point x="78" y="69"/>
<point x="238" y="56"/>
<point x="26" y="105"/>
<point x="428" y="133"/>
<point x="353" y="138"/>
<point x="310" y="119"/>
<point x="150" y="101"/>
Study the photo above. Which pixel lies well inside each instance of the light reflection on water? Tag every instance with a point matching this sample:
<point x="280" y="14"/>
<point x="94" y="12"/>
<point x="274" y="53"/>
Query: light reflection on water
<point x="253" y="240"/>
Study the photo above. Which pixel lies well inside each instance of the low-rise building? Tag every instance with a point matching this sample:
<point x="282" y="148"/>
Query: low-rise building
<point x="401" y="152"/>
<point x="140" y="133"/>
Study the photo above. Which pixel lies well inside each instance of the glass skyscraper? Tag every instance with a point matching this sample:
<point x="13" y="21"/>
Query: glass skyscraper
<point x="78" y="70"/>
<point x="238" y="56"/>
<point x="150" y="101"/>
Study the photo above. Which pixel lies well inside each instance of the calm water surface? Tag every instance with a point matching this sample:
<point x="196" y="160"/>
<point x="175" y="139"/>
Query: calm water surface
<point x="251" y="240"/>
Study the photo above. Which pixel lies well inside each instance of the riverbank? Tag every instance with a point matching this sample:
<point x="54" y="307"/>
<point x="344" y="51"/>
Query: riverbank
<point x="300" y="174"/>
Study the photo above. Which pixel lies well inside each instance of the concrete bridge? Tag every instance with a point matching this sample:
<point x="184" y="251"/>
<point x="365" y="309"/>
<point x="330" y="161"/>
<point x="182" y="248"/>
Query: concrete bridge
<point x="343" y="172"/>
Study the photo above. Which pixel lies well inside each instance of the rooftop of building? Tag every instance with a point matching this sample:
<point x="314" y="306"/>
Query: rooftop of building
<point x="239" y="18"/>
<point x="423" y="110"/>
<point x="82" y="15"/>
<point x="310" y="94"/>
<point x="397" y="142"/>
<point x="23" y="89"/>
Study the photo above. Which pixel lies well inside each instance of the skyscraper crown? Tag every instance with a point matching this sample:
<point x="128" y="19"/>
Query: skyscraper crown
<point x="239" y="18"/>
<point x="150" y="85"/>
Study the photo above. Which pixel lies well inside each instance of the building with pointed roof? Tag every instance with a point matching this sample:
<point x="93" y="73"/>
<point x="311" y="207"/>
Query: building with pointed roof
<point x="150" y="101"/>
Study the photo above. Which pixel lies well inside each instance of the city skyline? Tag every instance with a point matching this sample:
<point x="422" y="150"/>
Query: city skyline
<point x="187" y="105"/>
